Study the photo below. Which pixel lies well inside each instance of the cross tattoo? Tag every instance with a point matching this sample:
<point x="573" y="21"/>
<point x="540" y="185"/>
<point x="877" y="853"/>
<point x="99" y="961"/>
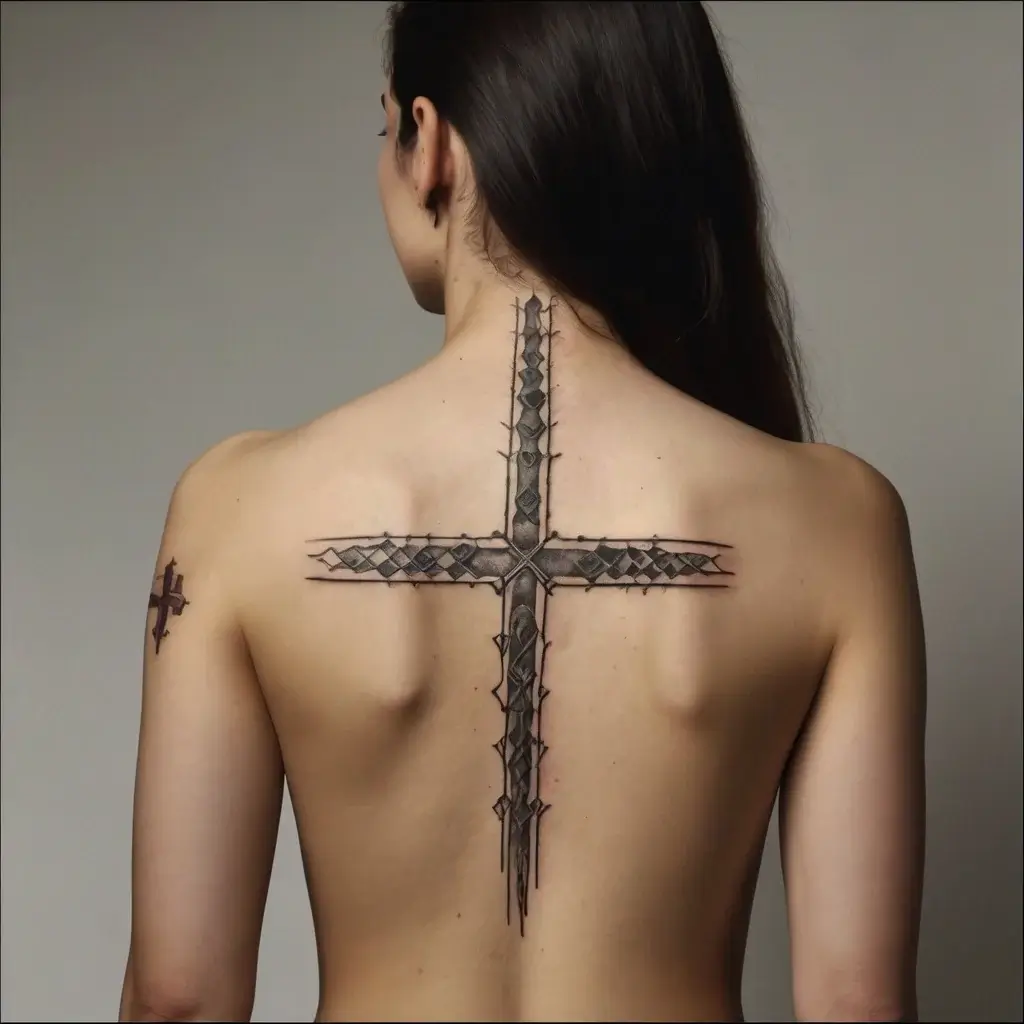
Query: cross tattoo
<point x="524" y="564"/>
<point x="170" y="601"/>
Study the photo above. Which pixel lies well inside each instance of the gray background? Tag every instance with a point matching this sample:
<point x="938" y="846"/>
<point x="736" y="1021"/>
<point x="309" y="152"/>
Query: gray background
<point x="192" y="246"/>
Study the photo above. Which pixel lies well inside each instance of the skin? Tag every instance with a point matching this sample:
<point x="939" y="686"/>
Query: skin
<point x="674" y="718"/>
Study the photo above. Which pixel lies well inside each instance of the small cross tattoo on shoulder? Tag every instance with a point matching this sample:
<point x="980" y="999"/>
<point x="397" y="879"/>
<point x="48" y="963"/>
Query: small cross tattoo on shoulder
<point x="168" y="601"/>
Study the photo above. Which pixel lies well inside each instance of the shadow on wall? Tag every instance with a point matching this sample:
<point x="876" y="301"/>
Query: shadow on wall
<point x="969" y="963"/>
<point x="969" y="966"/>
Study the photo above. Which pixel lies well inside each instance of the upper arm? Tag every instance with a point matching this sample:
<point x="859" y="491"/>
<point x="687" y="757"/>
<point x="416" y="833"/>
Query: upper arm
<point x="852" y="804"/>
<point x="209" y="776"/>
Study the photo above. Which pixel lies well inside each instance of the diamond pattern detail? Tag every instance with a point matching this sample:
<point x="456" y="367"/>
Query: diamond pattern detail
<point x="389" y="559"/>
<point x="519" y="692"/>
<point x="649" y="565"/>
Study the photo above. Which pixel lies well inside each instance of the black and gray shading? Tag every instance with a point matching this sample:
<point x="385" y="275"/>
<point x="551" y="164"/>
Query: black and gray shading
<point x="524" y="563"/>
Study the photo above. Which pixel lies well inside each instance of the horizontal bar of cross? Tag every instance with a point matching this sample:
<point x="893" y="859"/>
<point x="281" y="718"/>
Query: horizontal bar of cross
<point x="495" y="560"/>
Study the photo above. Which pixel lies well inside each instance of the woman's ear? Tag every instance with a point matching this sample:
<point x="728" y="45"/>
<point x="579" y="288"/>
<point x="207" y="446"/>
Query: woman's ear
<point x="432" y="160"/>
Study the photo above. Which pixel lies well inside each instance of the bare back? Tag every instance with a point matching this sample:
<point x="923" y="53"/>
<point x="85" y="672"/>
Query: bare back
<point x="537" y="783"/>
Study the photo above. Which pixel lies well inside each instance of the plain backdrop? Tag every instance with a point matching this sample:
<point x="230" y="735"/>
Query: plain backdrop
<point x="192" y="247"/>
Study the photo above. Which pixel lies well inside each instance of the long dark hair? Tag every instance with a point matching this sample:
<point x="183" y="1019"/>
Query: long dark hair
<point x="610" y="154"/>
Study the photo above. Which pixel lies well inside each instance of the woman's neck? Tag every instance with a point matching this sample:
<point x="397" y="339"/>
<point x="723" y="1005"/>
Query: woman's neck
<point x="481" y="309"/>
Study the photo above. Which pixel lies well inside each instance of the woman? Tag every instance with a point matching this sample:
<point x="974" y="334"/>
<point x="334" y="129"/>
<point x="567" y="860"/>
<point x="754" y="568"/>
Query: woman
<point x="533" y="767"/>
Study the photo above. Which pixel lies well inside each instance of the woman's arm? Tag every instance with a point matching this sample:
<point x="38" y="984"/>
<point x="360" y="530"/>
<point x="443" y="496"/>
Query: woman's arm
<point x="852" y="804"/>
<point x="209" y="778"/>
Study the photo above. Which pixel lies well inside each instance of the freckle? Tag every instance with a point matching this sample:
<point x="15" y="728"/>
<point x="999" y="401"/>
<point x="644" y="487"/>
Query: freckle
<point x="419" y="970"/>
